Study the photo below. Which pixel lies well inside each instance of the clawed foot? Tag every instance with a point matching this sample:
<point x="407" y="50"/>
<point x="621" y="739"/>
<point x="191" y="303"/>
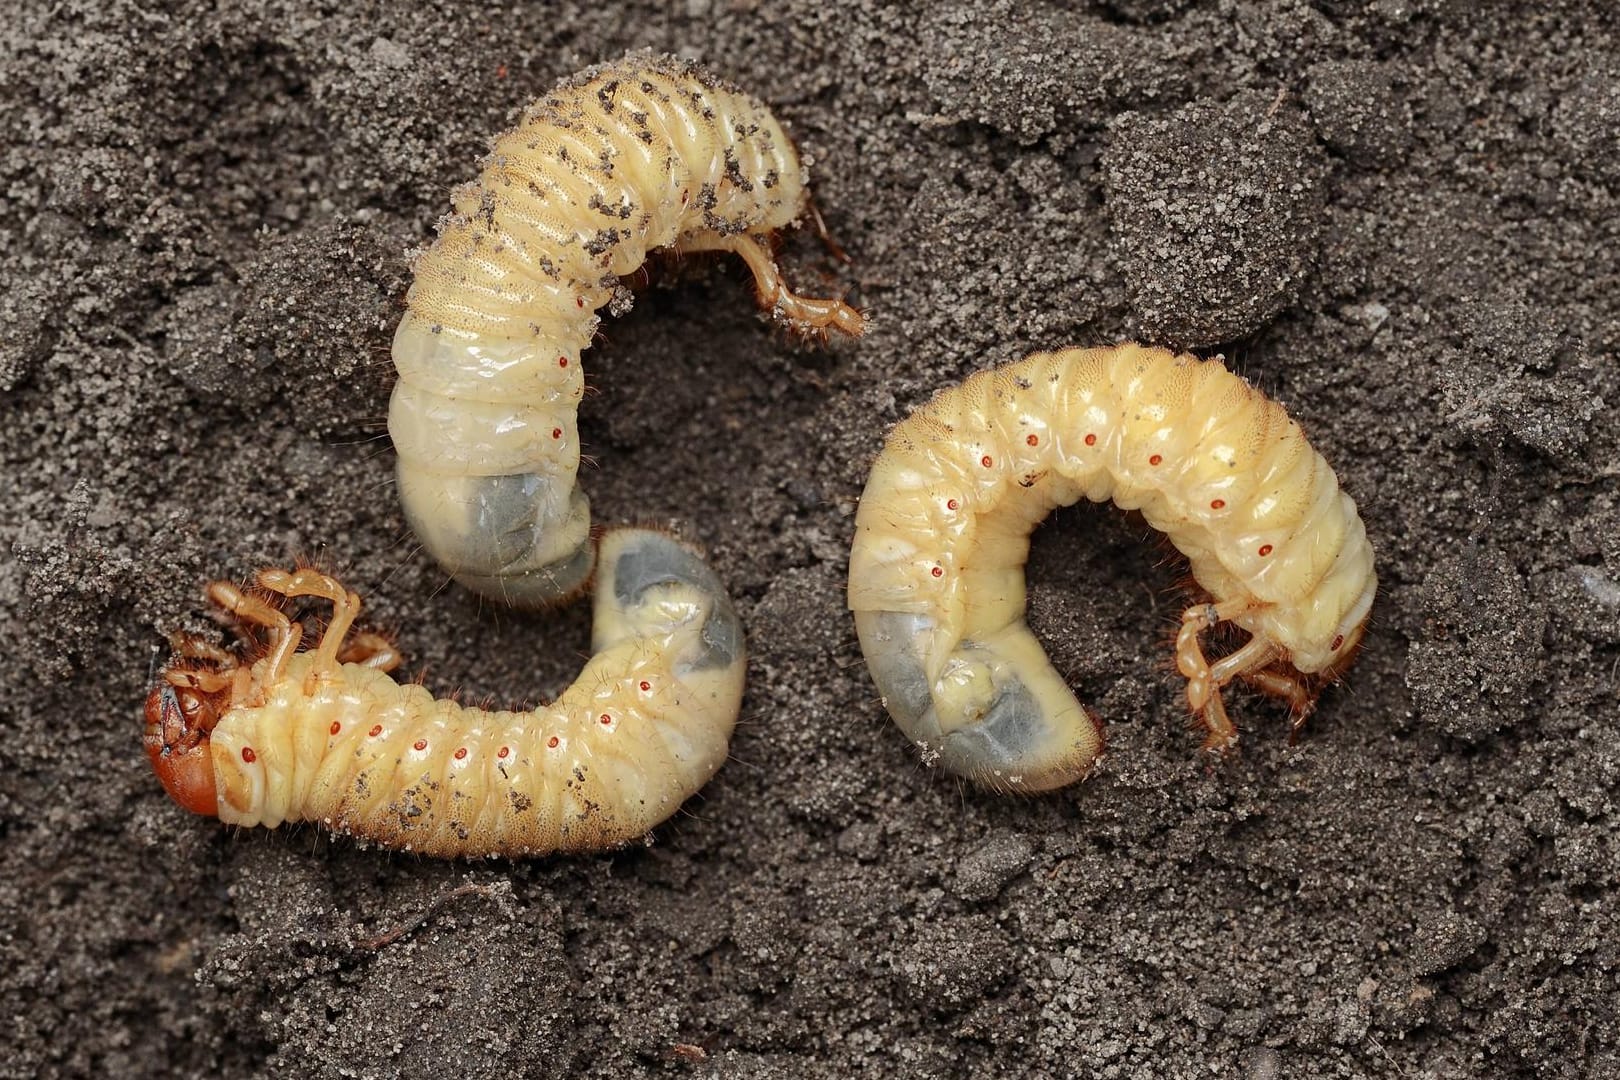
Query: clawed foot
<point x="1259" y="662"/>
<point x="336" y="646"/>
<point x="807" y="315"/>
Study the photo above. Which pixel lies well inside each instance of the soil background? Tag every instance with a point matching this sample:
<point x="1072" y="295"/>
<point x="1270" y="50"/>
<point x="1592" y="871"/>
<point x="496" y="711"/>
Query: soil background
<point x="1397" y="217"/>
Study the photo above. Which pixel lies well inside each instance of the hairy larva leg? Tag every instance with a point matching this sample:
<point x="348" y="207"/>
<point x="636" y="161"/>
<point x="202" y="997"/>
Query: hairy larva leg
<point x="824" y="234"/>
<point x="285" y="633"/>
<point x="193" y="647"/>
<point x="1203" y="683"/>
<point x="803" y="313"/>
<point x="371" y="650"/>
<point x="345" y="606"/>
<point x="1290" y="687"/>
<point x="249" y="609"/>
<point x="1253" y="656"/>
<point x="208" y="682"/>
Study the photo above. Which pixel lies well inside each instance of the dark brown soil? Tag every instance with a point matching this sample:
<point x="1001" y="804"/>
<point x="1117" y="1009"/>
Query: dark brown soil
<point x="1398" y="217"/>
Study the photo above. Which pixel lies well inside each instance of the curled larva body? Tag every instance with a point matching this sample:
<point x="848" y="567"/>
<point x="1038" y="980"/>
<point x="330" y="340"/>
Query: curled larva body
<point x="936" y="576"/>
<point x="637" y="155"/>
<point x="326" y="735"/>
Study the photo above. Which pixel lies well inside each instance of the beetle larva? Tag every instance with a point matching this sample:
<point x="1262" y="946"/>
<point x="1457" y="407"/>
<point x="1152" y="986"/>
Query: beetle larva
<point x="326" y="735"/>
<point x="640" y="154"/>
<point x="936" y="577"/>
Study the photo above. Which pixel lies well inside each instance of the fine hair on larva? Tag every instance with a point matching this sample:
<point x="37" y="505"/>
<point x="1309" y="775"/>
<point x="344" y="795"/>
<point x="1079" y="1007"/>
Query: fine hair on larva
<point x="644" y="153"/>
<point x="936" y="575"/>
<point x="324" y="734"/>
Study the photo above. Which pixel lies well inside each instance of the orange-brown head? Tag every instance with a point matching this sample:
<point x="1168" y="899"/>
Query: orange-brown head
<point x="179" y="717"/>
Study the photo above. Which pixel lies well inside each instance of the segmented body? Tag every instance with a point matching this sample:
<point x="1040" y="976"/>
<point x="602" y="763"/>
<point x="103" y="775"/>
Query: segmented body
<point x="302" y="736"/>
<point x="640" y="154"/>
<point x="936" y="575"/>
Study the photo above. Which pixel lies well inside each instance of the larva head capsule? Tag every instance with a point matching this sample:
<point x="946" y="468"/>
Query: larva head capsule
<point x="179" y="716"/>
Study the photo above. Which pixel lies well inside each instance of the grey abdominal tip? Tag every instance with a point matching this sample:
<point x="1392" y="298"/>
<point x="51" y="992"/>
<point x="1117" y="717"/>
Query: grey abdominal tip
<point x="538" y="586"/>
<point x="1003" y="740"/>
<point x="497" y="527"/>
<point x="504" y="517"/>
<point x="722" y="637"/>
<point x="897" y="670"/>
<point x="644" y="560"/>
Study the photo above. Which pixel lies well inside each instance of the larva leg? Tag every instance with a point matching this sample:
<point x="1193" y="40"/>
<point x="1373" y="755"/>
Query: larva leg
<point x="345" y="606"/>
<point x="192" y="647"/>
<point x="250" y="609"/>
<point x="1290" y="687"/>
<point x="1203" y="684"/>
<point x="371" y="650"/>
<point x="208" y="682"/>
<point x="805" y="313"/>
<point x="833" y="246"/>
<point x="1254" y="655"/>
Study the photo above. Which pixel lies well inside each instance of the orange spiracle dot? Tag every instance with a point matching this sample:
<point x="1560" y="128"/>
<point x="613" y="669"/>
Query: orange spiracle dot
<point x="987" y="461"/>
<point x="461" y="753"/>
<point x="1091" y="440"/>
<point x="335" y="728"/>
<point x="645" y="686"/>
<point x="552" y="742"/>
<point x="248" y="755"/>
<point x="376" y="730"/>
<point x="952" y="504"/>
<point x="1265" y="549"/>
<point x="1338" y="640"/>
<point x="1155" y="459"/>
<point x="420" y="745"/>
<point x="502" y="752"/>
<point x="1033" y="440"/>
<point x="607" y="718"/>
<point x="1217" y="504"/>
